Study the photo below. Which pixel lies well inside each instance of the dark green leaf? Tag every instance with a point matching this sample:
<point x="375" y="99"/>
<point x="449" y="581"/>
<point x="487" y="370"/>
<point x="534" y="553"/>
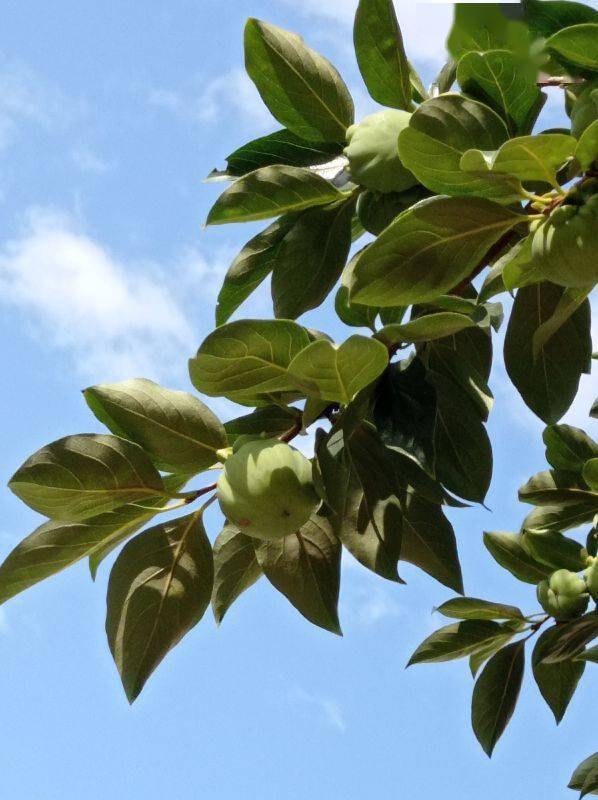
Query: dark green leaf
<point x="82" y="476"/>
<point x="160" y="587"/>
<point x="590" y="474"/>
<point x="377" y="210"/>
<point x="570" y="639"/>
<point x="550" y="519"/>
<point x="235" y="569"/>
<point x="281" y="147"/>
<point x="353" y="314"/>
<point x="305" y="567"/>
<point x="426" y="328"/>
<point x="479" y="658"/>
<point x="545" y="18"/>
<point x="439" y="132"/>
<point x="381" y="55"/>
<point x="555" y="550"/>
<point x="301" y="88"/>
<point x="310" y="259"/>
<point x="271" y="421"/>
<point x="548" y="384"/>
<point x="503" y="81"/>
<point x="584" y="772"/>
<point x="591" y="655"/>
<point x="508" y="551"/>
<point x="455" y="641"/>
<point x="557" y="682"/>
<point x="554" y="487"/>
<point x="496" y="693"/>
<point x="247" y="358"/>
<point x="472" y="608"/>
<point x="270" y="192"/>
<point x="177" y="431"/>
<point x="428" y="250"/>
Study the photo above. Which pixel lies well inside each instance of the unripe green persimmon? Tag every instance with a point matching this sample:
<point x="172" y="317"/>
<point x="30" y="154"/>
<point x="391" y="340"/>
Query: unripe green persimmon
<point x="564" y="595"/>
<point x="266" y="489"/>
<point x="565" y="246"/>
<point x="591" y="578"/>
<point x="373" y="152"/>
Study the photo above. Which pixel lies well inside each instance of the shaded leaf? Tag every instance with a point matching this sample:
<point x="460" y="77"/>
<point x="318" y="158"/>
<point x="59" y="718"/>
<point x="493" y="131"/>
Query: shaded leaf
<point x="550" y="519"/>
<point x="455" y="641"/>
<point x="281" y="147"/>
<point x="544" y="18"/>
<point x="82" y="476"/>
<point x="508" y="551"/>
<point x="554" y="487"/>
<point x="555" y="550"/>
<point x="426" y="328"/>
<point x="235" y="569"/>
<point x="270" y="420"/>
<point x="496" y="693"/>
<point x="301" y="88"/>
<point x="584" y="772"/>
<point x="159" y="588"/>
<point x="557" y="682"/>
<point x="472" y="608"/>
<point x="353" y="314"/>
<point x="570" y="639"/>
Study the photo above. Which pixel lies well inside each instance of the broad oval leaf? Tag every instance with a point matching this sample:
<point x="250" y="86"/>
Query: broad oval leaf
<point x="439" y="132"/>
<point x="268" y="421"/>
<point x="472" y="608"/>
<point x="547" y="383"/>
<point x="551" y="519"/>
<point x="301" y="88"/>
<point x="177" y="430"/>
<point x="280" y="147"/>
<point x="305" y="568"/>
<point x="83" y="476"/>
<point x="428" y="250"/>
<point x="504" y="81"/>
<point x="426" y="328"/>
<point x="554" y="487"/>
<point x="508" y="551"/>
<point x="235" y="569"/>
<point x="568" y="448"/>
<point x="159" y="589"/>
<point x="338" y="372"/>
<point x="496" y="693"/>
<point x="247" y="358"/>
<point x="455" y="641"/>
<point x="585" y="773"/>
<point x="544" y="20"/>
<point x="557" y="682"/>
<point x="271" y="191"/>
<point x="484" y="26"/>
<point x="310" y="259"/>
<point x="555" y="550"/>
<point x="381" y="54"/>
<point x="577" y="47"/>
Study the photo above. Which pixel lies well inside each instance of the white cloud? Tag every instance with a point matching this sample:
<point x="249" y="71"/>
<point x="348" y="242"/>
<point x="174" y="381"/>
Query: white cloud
<point x="226" y="96"/>
<point x="326" y="709"/>
<point x="115" y="319"/>
<point x="88" y="161"/>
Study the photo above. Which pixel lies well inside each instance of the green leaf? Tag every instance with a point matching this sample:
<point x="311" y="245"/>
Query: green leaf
<point x="247" y="358"/>
<point x="305" y="568"/>
<point x="577" y="47"/>
<point x="463" y="449"/>
<point x="177" y="431"/>
<point x="496" y="693"/>
<point x="550" y="519"/>
<point x="439" y="132"/>
<point x="483" y="26"/>
<point x="426" y="328"/>
<point x="428" y="250"/>
<point x="454" y="641"/>
<point x="381" y="55"/>
<point x="310" y="259"/>
<point x="83" y="476"/>
<point x="554" y="487"/>
<point x="587" y="147"/>
<point x="301" y="88"/>
<point x="472" y="608"/>
<point x="590" y="474"/>
<point x="557" y="682"/>
<point x="568" y="448"/>
<point x="429" y="543"/>
<point x="528" y="158"/>
<point x="353" y="314"/>
<point x="270" y="192"/>
<point x="235" y="569"/>
<point x="269" y="421"/>
<point x="570" y="301"/>
<point x="545" y="18"/>
<point x="451" y="363"/>
<point x="479" y="658"/>
<point x="570" y="639"/>
<point x="585" y="772"/>
<point x="503" y="81"/>
<point x="548" y="384"/>
<point x="338" y="372"/>
<point x="590" y="655"/>
<point x="253" y="264"/>
<point x="281" y="147"/>
<point x="508" y="551"/>
<point x="159" y="589"/>
<point x="555" y="550"/>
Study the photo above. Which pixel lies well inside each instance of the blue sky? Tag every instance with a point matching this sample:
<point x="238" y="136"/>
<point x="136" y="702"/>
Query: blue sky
<point x="110" y="116"/>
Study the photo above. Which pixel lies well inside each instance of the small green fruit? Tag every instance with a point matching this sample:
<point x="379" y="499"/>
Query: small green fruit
<point x="564" y="247"/>
<point x="564" y="595"/>
<point x="266" y="489"/>
<point x="373" y="152"/>
<point x="591" y="578"/>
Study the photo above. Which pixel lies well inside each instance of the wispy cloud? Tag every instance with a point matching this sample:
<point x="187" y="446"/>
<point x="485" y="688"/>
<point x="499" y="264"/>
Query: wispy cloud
<point x="325" y="709"/>
<point x="114" y="318"/>
<point x="226" y="96"/>
<point x="88" y="161"/>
